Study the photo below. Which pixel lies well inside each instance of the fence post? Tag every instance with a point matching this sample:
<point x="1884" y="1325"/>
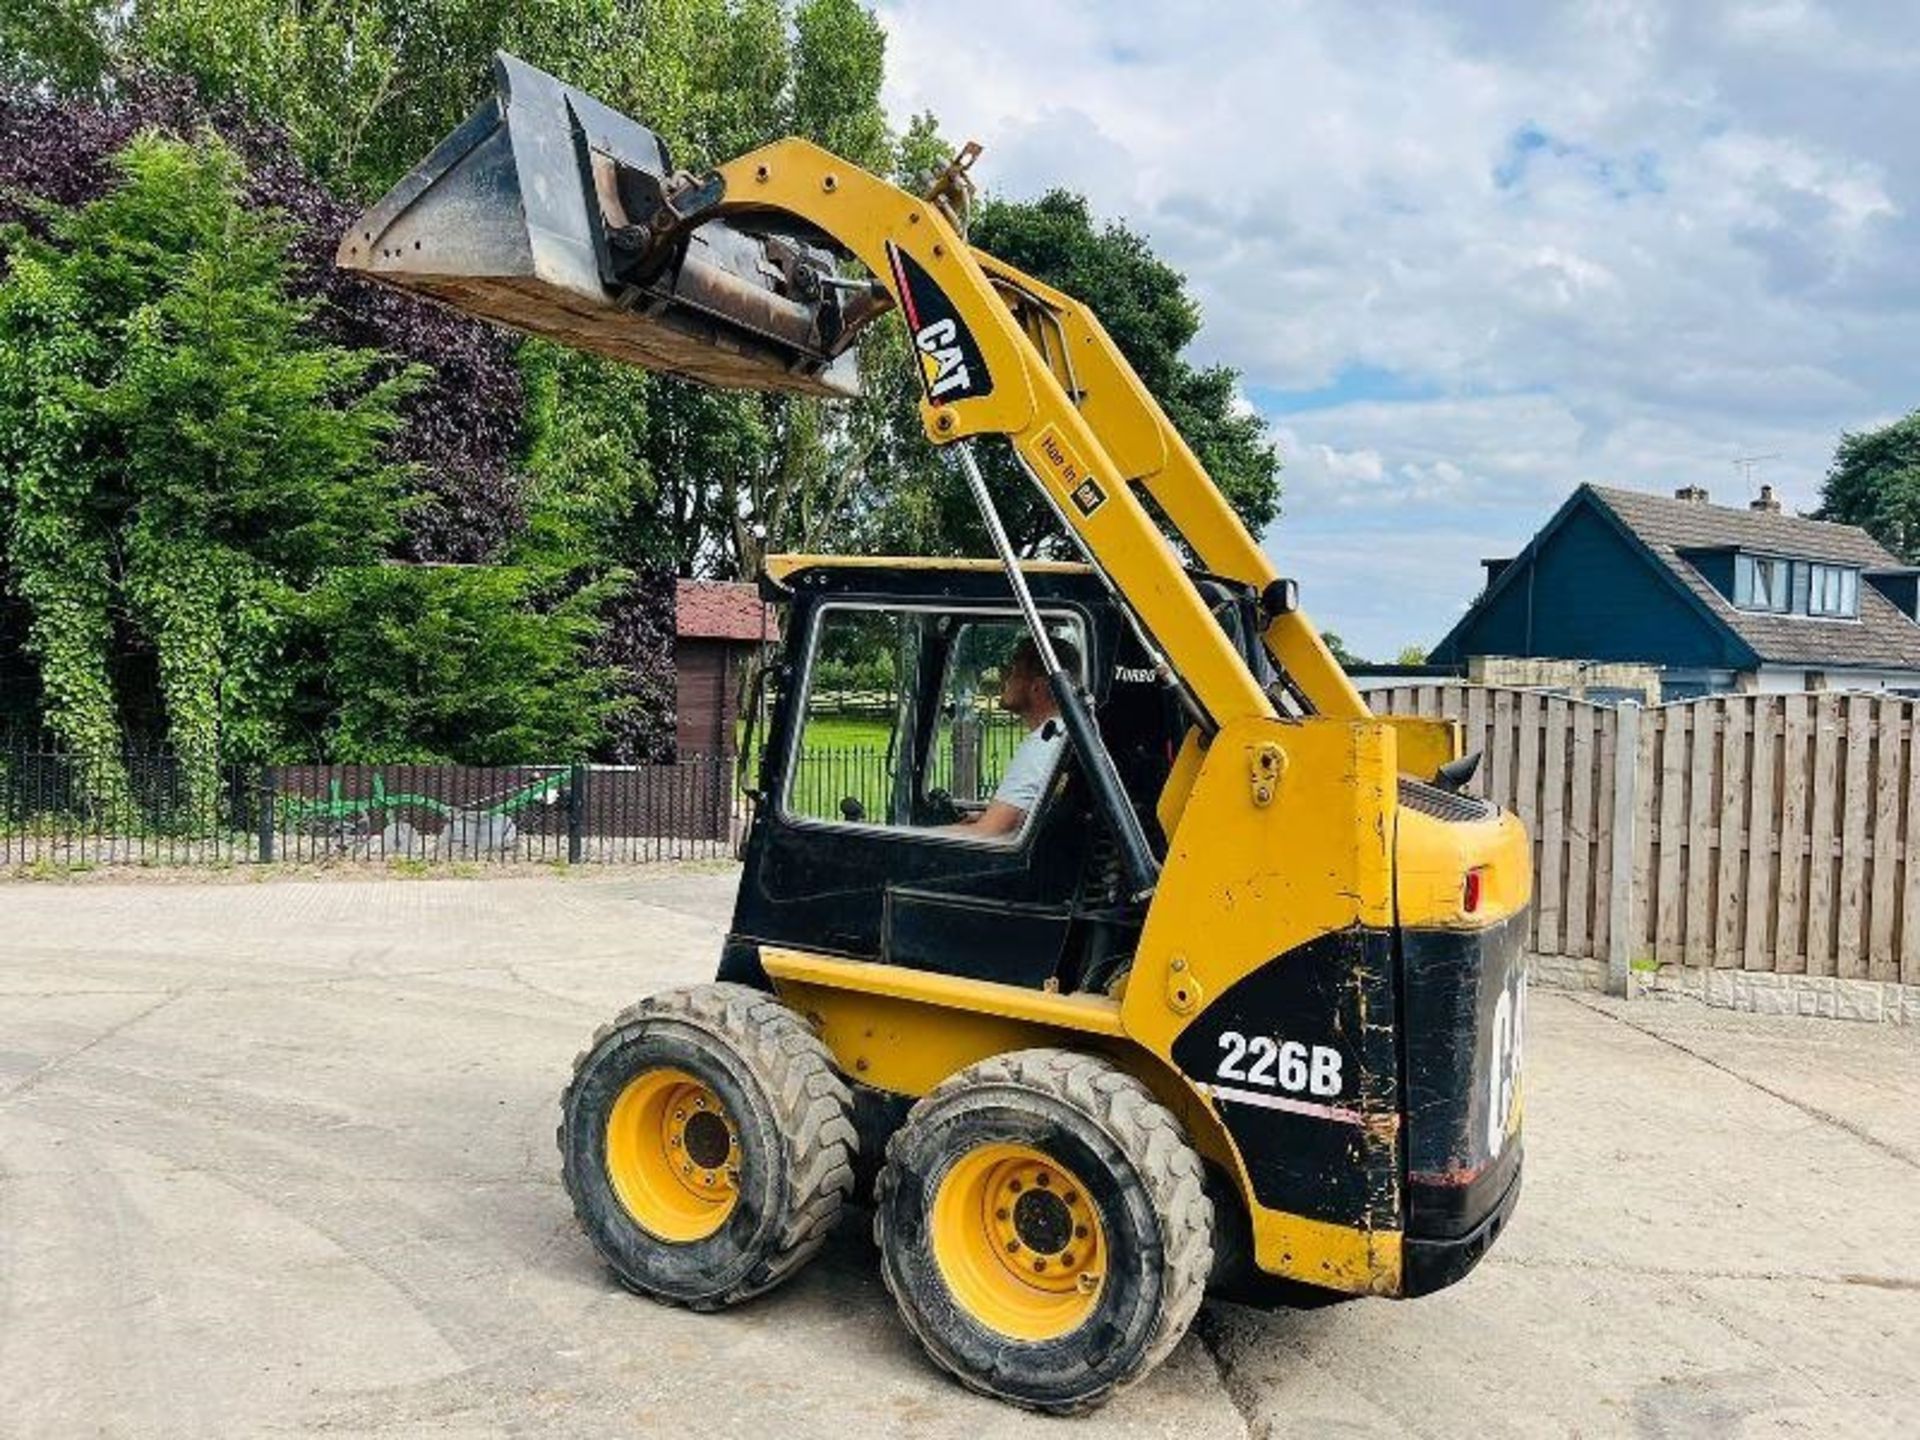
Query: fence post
<point x="1626" y="805"/>
<point x="268" y="804"/>
<point x="576" y="813"/>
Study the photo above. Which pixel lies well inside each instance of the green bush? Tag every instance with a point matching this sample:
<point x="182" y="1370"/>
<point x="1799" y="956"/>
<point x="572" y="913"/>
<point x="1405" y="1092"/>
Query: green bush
<point x="481" y="665"/>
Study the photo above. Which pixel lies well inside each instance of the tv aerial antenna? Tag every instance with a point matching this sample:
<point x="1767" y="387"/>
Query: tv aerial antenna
<point x="1747" y="464"/>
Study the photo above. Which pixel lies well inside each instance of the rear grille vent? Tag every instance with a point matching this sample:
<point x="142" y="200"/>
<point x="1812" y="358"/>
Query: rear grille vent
<point x="1442" y="804"/>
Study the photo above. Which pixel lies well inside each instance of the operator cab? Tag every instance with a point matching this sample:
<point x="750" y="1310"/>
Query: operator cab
<point x="884" y="729"/>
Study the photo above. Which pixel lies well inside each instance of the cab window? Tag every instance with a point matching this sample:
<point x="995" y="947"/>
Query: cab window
<point x="900" y="723"/>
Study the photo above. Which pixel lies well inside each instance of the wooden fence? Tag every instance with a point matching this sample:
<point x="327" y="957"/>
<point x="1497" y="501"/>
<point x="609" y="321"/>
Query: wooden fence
<point x="1756" y="832"/>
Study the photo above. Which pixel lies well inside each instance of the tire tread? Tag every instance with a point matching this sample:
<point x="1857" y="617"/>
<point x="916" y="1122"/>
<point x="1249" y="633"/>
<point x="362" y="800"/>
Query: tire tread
<point x="1168" y="1167"/>
<point x="812" y="1106"/>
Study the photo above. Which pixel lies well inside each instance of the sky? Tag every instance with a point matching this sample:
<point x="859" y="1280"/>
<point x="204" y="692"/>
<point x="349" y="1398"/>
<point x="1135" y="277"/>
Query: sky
<point x="1467" y="256"/>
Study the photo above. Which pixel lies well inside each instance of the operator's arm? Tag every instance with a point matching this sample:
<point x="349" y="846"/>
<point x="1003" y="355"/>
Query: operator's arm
<point x="999" y="818"/>
<point x="1019" y="789"/>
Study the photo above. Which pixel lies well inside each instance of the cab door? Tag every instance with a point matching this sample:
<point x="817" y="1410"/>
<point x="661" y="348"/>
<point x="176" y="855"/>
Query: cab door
<point x="893" y="732"/>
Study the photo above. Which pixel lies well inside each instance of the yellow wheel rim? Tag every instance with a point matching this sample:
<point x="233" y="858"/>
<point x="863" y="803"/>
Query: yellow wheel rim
<point x="673" y="1155"/>
<point x="1019" y="1242"/>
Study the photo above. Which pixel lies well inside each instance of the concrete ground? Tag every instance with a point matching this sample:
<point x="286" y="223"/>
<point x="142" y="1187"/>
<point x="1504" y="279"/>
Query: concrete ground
<point x="277" y="1158"/>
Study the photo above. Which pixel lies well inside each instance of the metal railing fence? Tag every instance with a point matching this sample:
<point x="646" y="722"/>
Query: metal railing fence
<point x="153" y="807"/>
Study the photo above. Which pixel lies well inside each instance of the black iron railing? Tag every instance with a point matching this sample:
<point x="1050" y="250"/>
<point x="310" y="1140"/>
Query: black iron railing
<point x="153" y="807"/>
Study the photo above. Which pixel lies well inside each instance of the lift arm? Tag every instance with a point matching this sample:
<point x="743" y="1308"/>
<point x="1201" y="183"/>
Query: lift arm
<point x="1150" y="453"/>
<point x="983" y="376"/>
<point x="551" y="213"/>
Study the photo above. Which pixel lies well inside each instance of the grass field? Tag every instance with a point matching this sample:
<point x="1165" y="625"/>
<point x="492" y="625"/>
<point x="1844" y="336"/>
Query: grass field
<point x="847" y="732"/>
<point x="846" y="756"/>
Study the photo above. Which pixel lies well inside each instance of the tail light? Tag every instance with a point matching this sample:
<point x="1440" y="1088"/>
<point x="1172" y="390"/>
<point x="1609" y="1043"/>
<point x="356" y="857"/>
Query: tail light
<point x="1470" y="892"/>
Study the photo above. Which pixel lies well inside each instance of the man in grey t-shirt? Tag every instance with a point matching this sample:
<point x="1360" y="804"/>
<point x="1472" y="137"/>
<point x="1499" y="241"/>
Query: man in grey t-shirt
<point x="1024" y="691"/>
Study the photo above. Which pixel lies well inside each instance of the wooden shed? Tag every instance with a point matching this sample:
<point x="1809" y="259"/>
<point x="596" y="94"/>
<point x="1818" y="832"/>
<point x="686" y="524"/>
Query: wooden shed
<point x="718" y="626"/>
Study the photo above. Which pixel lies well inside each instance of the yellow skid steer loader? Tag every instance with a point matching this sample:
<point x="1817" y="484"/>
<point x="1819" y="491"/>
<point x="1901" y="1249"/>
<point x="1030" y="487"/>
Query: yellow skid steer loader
<point x="1231" y="1000"/>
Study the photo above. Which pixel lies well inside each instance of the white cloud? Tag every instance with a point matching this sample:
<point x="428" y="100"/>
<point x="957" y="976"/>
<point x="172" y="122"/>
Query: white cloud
<point x="1624" y="242"/>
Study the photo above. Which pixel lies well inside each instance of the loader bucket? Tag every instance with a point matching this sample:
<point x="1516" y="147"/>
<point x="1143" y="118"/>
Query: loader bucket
<point x="550" y="213"/>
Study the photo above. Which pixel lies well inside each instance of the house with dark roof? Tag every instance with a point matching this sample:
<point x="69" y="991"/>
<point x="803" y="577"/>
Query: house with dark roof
<point x="718" y="625"/>
<point x="1718" y="598"/>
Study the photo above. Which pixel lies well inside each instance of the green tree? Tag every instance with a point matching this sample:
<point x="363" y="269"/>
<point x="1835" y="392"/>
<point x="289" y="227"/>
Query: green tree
<point x="177" y="453"/>
<point x="1344" y="656"/>
<point x="365" y="88"/>
<point x="589" y="489"/>
<point x="1874" y="482"/>
<point x="840" y="54"/>
<point x="1411" y="655"/>
<point x="65" y="44"/>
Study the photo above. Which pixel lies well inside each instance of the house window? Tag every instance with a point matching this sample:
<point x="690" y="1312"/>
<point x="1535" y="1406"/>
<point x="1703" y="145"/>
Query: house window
<point x="1833" y="590"/>
<point x="1760" y="583"/>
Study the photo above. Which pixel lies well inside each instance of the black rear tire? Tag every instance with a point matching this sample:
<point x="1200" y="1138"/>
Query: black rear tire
<point x="793" y="1141"/>
<point x="1105" y="1131"/>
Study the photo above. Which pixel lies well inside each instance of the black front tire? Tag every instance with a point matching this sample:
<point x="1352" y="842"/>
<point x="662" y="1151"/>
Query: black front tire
<point x="794" y="1137"/>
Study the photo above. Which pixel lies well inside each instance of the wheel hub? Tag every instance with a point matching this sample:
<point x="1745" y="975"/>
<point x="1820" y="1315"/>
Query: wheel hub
<point x="708" y="1141"/>
<point x="1019" y="1241"/>
<point x="1042" y="1222"/>
<point x="672" y="1155"/>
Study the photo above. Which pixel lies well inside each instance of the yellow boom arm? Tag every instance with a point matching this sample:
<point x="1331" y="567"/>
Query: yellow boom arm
<point x="985" y="377"/>
<point x="553" y="214"/>
<point x="989" y="373"/>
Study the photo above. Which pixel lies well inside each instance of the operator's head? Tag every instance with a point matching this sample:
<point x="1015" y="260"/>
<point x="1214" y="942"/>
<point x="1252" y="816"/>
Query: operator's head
<point x="1023" y="688"/>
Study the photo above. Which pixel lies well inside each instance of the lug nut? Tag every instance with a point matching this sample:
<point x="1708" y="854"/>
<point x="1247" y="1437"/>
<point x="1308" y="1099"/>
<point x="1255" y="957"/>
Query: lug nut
<point x="1043" y="1179"/>
<point x="1079" y="1232"/>
<point x="1013" y="1247"/>
<point x="1001" y="1213"/>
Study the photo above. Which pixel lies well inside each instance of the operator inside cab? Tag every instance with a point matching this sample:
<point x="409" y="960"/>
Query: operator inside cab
<point x="1024" y="692"/>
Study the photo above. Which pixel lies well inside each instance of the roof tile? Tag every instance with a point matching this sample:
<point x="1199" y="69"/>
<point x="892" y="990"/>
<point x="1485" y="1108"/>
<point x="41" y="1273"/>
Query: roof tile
<point x="720" y="610"/>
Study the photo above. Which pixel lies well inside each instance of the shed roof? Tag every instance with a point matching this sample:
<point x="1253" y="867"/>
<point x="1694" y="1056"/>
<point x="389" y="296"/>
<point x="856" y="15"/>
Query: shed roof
<point x="720" y="610"/>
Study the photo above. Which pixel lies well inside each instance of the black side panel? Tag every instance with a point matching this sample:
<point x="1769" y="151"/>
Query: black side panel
<point x="976" y="938"/>
<point x="1465" y="1004"/>
<point x="1300" y="1061"/>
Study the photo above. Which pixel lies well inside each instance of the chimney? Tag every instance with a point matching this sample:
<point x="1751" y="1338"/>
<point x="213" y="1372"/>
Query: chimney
<point x="1694" y="494"/>
<point x="1768" y="501"/>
